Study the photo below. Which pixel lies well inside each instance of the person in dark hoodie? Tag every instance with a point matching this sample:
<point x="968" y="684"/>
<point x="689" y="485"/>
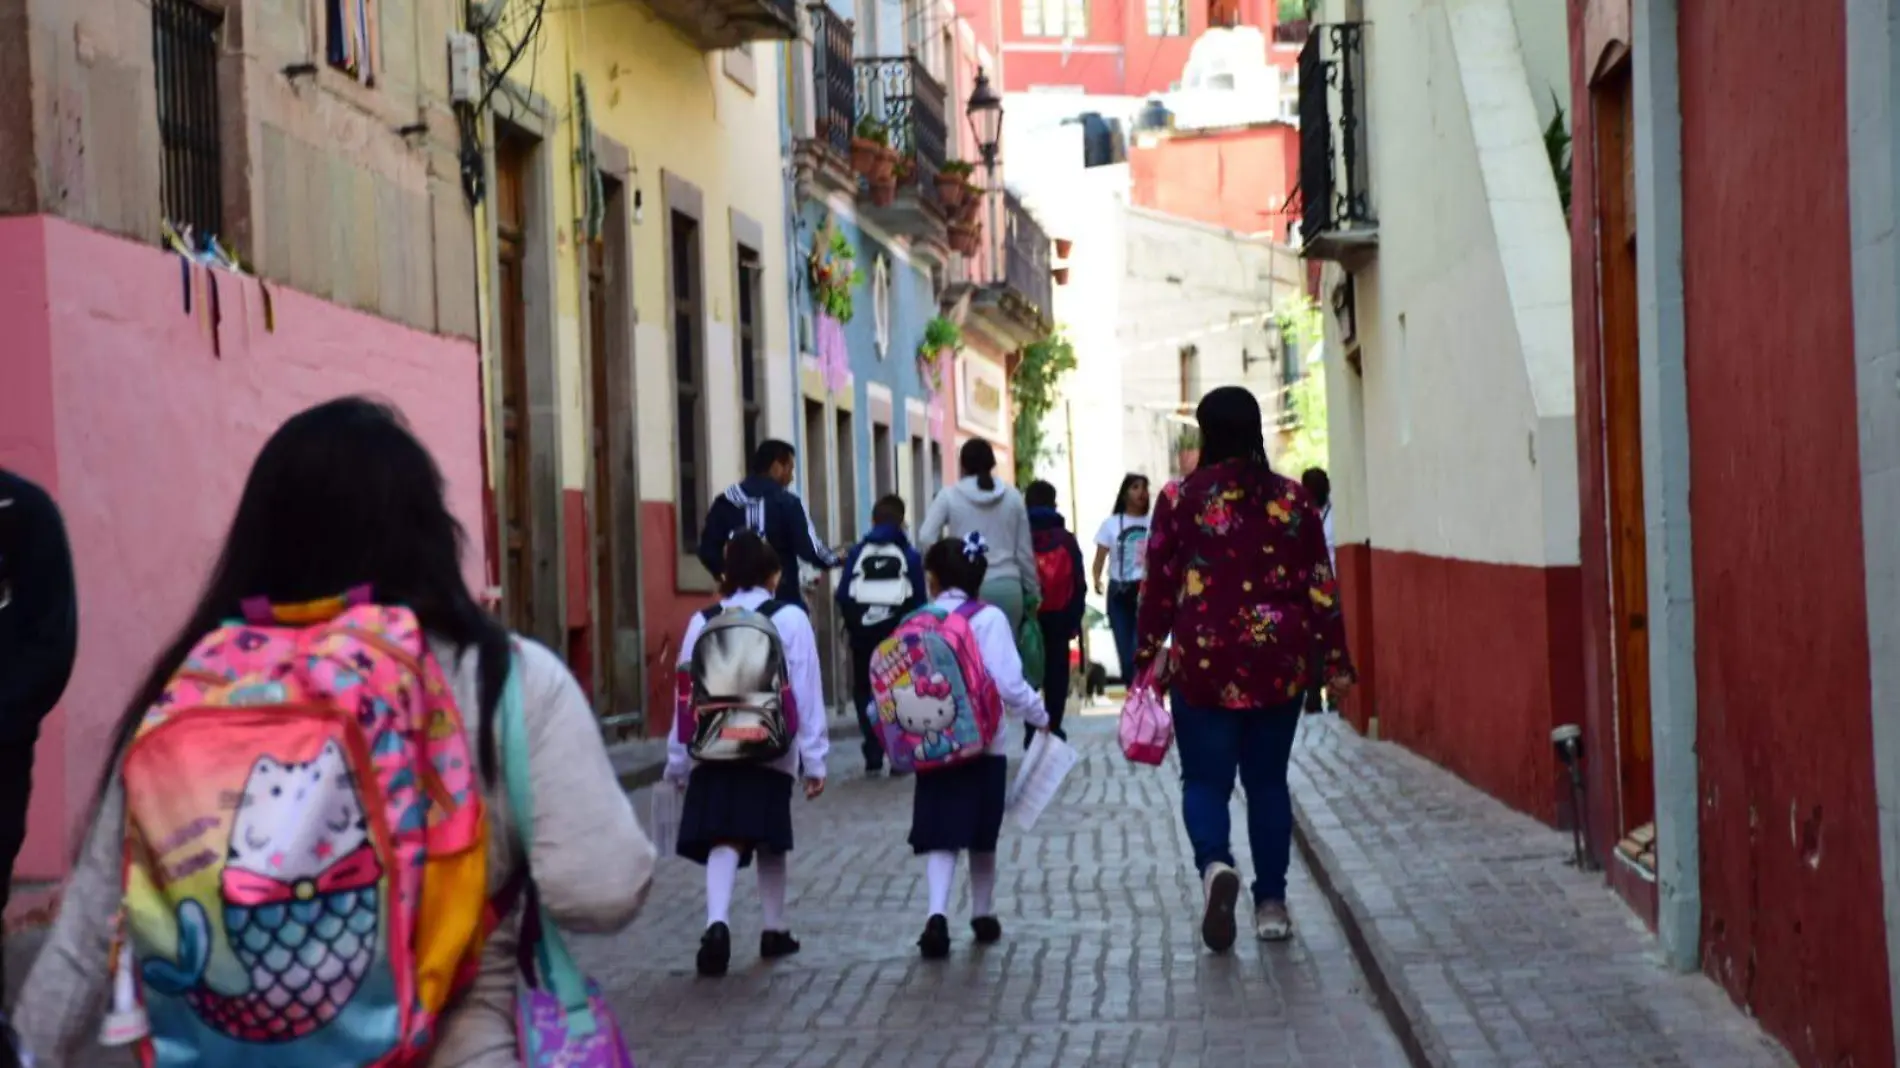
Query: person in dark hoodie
<point x="764" y="504"/>
<point x="1065" y="593"/>
<point x="883" y="582"/>
<point x="39" y="633"/>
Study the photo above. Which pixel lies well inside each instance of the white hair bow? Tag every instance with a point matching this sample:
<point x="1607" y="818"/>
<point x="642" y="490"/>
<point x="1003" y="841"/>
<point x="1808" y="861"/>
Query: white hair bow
<point x="974" y="547"/>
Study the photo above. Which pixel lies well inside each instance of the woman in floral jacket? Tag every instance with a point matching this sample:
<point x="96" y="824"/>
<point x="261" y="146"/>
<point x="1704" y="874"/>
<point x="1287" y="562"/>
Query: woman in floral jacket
<point x="1239" y="577"/>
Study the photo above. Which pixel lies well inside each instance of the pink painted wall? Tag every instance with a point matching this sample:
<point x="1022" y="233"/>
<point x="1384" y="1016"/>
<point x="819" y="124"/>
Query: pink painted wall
<point x="113" y="398"/>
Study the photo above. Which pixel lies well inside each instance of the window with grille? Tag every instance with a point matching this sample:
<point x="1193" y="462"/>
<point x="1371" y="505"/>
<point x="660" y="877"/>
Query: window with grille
<point x="1167" y="18"/>
<point x="1055" y="18"/>
<point x="185" y="40"/>
<point x="351" y="46"/>
<point x="689" y="377"/>
<point x="752" y="383"/>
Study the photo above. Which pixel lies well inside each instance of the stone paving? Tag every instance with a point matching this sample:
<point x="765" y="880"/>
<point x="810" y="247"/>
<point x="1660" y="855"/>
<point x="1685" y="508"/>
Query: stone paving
<point x="1100" y="964"/>
<point x="1495" y="949"/>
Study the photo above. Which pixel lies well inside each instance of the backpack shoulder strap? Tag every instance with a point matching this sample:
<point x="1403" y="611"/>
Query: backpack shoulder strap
<point x="968" y="609"/>
<point x="710" y="614"/>
<point x="770" y="608"/>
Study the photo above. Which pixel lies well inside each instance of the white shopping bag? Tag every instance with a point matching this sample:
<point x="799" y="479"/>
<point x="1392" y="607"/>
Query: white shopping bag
<point x="1039" y="778"/>
<point x="663" y="817"/>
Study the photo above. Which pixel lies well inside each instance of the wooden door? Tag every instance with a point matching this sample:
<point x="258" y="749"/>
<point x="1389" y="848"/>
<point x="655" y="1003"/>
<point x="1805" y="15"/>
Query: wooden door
<point x="511" y="170"/>
<point x="1623" y="446"/>
<point x="601" y="351"/>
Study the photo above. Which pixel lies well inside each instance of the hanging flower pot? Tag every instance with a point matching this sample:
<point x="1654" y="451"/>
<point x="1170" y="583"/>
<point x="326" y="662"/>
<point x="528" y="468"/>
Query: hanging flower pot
<point x="1061" y="275"/>
<point x="966" y="237"/>
<point x="950" y="191"/>
<point x="968" y="211"/>
<point x="1063" y="247"/>
<point x="884" y="190"/>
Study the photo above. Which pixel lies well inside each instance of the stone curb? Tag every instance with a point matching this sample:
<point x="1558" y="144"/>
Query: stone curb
<point x="1423" y="1046"/>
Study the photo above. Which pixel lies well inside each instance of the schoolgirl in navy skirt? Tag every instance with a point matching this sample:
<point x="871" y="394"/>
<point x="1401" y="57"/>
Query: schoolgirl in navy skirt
<point x="959" y="809"/>
<point x="735" y="812"/>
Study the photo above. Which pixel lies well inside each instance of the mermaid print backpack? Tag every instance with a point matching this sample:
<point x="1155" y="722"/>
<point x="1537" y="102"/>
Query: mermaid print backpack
<point x="937" y="705"/>
<point x="305" y="846"/>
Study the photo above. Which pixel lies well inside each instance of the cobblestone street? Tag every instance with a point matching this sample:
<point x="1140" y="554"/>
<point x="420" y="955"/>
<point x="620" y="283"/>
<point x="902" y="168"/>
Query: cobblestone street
<point x="1100" y="964"/>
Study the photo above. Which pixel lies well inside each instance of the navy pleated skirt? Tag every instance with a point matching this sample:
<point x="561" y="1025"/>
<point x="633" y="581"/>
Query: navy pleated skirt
<point x="744" y="805"/>
<point x="960" y="807"/>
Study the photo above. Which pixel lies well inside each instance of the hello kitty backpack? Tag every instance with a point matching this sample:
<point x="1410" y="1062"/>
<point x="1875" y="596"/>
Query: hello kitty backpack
<point x="936" y="703"/>
<point x="305" y="847"/>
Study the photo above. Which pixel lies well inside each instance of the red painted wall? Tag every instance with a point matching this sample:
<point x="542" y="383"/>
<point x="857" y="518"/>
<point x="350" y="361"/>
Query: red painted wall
<point x="1598" y="690"/>
<point x="1117" y="56"/>
<point x="667" y="608"/>
<point x="1238" y="179"/>
<point x="1475" y="663"/>
<point x="1791" y="883"/>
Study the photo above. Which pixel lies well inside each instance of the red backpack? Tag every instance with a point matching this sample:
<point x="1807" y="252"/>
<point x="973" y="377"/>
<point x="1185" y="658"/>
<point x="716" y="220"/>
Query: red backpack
<point x="1055" y="569"/>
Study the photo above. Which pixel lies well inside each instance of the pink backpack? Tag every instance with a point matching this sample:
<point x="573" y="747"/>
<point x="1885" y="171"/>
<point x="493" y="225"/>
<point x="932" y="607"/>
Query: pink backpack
<point x="306" y="861"/>
<point x="937" y="705"/>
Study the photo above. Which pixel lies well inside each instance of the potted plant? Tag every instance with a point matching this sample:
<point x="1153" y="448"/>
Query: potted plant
<point x="871" y="148"/>
<point x="966" y="236"/>
<point x="834" y="272"/>
<point x="1061" y="275"/>
<point x="1063" y="247"/>
<point x="940" y="335"/>
<point x="953" y="183"/>
<point x="885" y="181"/>
<point x="968" y="211"/>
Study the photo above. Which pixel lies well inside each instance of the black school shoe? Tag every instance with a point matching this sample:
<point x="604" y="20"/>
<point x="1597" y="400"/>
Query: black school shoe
<point x="935" y="943"/>
<point x="776" y="944"/>
<point x="715" y="951"/>
<point x="987" y="929"/>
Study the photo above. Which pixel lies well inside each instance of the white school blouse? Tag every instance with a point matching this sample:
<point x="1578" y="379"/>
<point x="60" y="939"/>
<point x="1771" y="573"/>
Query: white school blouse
<point x="800" y="645"/>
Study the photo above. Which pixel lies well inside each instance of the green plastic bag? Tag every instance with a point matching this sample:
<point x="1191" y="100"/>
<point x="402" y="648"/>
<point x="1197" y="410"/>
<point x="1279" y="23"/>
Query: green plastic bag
<point x="1029" y="643"/>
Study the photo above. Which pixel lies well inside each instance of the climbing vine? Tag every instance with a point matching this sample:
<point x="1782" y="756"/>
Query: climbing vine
<point x="1032" y="393"/>
<point x="941" y="335"/>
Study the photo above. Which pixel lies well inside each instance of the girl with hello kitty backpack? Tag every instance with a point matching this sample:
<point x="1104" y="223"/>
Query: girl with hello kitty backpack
<point x="340" y="800"/>
<point x="941" y="684"/>
<point x="749" y="720"/>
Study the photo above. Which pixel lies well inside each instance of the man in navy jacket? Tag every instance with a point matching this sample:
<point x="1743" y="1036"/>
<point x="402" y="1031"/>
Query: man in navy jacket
<point x="763" y="504"/>
<point x="876" y="593"/>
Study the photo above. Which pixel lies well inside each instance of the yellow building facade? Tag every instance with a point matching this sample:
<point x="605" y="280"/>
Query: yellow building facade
<point x="636" y="338"/>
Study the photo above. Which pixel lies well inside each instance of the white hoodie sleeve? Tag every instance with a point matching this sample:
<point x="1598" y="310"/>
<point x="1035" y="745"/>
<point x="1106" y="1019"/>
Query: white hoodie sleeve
<point x="800" y="643"/>
<point x="936" y="518"/>
<point x="998" y="646"/>
<point x="1026" y="549"/>
<point x="678" y="764"/>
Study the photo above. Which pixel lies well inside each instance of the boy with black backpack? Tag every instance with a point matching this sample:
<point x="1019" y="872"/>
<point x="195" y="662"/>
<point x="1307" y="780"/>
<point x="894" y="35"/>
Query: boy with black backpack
<point x="1064" y="593"/>
<point x="883" y="582"/>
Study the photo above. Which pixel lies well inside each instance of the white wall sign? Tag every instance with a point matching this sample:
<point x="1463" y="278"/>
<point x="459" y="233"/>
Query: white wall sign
<point x="982" y="397"/>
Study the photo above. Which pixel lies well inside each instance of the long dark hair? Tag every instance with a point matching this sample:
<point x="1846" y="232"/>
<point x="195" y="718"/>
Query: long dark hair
<point x="750" y="562"/>
<point x="1129" y="482"/>
<point x="341" y="495"/>
<point x="956" y="568"/>
<point x="977" y="458"/>
<point x="1230" y="428"/>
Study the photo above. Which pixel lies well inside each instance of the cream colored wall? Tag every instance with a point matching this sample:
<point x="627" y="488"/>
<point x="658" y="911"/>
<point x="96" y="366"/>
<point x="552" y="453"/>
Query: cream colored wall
<point x="1467" y="400"/>
<point x="678" y="112"/>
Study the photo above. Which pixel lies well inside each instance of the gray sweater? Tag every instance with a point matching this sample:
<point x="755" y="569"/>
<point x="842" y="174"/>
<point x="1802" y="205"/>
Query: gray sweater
<point x="592" y="865"/>
<point x="999" y="515"/>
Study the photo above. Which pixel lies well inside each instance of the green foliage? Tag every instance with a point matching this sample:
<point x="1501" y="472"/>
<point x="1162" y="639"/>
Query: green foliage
<point x="1307" y="445"/>
<point x="834" y="274"/>
<point x="957" y="168"/>
<point x="1300" y="323"/>
<point x="940" y="336"/>
<point x="1032" y="393"/>
<point x="1292" y="11"/>
<point x="1557" y="147"/>
<point x="869" y="129"/>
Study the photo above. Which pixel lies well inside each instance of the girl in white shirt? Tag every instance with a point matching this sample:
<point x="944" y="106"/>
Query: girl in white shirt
<point x="960" y="808"/>
<point x="734" y="811"/>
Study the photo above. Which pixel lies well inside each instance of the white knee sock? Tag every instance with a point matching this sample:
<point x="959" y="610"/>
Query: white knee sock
<point x="722" y="867"/>
<point x="982" y="884"/>
<point x="940" y="869"/>
<point x="772" y="871"/>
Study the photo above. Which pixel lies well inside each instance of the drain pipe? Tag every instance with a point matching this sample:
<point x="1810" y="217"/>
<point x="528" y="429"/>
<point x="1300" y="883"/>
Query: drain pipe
<point x="1568" y="740"/>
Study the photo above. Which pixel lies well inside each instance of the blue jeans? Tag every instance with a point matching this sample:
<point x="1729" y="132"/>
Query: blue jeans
<point x="1121" y="621"/>
<point x="1256" y="743"/>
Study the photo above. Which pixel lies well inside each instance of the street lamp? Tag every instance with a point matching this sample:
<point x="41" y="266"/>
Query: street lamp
<point x="986" y="119"/>
<point x="985" y="110"/>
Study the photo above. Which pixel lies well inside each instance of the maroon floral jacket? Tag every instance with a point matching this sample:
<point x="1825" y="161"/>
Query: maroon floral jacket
<point x="1238" y="573"/>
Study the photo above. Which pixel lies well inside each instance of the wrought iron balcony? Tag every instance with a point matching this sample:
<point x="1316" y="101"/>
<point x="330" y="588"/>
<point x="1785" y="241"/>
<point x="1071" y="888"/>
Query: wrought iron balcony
<point x="822" y="154"/>
<point x="1016" y="307"/>
<point x="716" y="25"/>
<point x="902" y="98"/>
<point x="1336" y="221"/>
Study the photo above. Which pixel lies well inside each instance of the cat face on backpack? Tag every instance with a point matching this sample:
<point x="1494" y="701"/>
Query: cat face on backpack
<point x="930" y="708"/>
<point x="273" y="833"/>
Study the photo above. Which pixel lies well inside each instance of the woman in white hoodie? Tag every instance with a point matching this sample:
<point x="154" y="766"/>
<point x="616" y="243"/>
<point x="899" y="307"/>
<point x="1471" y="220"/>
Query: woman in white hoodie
<point x="979" y="504"/>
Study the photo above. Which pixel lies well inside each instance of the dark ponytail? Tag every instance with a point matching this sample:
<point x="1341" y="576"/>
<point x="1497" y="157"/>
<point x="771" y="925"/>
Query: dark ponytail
<point x="978" y="459"/>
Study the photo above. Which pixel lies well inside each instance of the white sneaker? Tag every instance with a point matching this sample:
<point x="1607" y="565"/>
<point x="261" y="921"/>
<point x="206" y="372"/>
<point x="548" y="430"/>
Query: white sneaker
<point x="1271" y="921"/>
<point x="1220" y="888"/>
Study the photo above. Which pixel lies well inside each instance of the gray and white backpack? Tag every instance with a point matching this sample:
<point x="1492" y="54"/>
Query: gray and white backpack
<point x="741" y="701"/>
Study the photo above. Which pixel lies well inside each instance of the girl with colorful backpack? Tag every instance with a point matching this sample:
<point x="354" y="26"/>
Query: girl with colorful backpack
<point x="306" y="847"/>
<point x="942" y="683"/>
<point x="749" y="719"/>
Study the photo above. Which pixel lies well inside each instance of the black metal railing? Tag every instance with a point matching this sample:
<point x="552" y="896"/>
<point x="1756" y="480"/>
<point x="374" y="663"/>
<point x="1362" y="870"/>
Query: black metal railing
<point x="910" y="103"/>
<point x="1334" y="176"/>
<point x="833" y="82"/>
<point x="185" y="55"/>
<point x="1026" y="256"/>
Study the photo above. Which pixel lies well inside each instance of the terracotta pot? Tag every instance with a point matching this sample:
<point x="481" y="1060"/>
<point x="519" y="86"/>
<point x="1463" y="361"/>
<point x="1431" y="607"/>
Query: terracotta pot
<point x="865" y="155"/>
<point x="969" y="210"/>
<point x="884" y="190"/>
<point x="951" y="191"/>
<point x="1063" y="247"/>
<point x="1061" y="275"/>
<point x="966" y="238"/>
